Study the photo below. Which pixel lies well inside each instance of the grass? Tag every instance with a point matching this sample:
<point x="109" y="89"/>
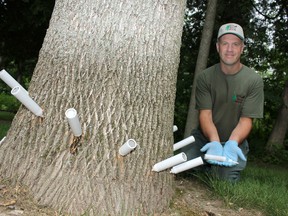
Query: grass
<point x="261" y="187"/>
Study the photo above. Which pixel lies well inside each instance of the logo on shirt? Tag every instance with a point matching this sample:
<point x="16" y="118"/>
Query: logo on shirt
<point x="238" y="99"/>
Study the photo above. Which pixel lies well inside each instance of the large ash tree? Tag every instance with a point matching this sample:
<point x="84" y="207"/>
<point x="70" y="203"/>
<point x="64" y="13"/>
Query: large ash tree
<point x="116" y="63"/>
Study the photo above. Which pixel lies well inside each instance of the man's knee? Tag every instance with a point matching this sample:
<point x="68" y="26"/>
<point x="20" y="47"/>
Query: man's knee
<point x="231" y="174"/>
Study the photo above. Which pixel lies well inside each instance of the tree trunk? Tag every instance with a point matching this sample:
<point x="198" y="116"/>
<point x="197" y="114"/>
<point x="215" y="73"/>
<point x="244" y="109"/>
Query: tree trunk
<point x="192" y="117"/>
<point x="279" y="131"/>
<point x="116" y="63"/>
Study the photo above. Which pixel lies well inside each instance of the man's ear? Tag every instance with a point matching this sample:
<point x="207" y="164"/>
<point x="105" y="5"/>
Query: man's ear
<point x="217" y="47"/>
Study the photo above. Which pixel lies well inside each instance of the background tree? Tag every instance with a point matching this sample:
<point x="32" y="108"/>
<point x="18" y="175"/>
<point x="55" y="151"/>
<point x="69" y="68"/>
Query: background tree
<point x="277" y="136"/>
<point x="275" y="16"/>
<point x="116" y="63"/>
<point x="201" y="64"/>
<point x="191" y="38"/>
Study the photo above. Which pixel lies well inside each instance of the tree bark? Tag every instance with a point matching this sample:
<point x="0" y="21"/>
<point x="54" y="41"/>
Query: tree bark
<point x="192" y="117"/>
<point x="279" y="131"/>
<point x="116" y="63"/>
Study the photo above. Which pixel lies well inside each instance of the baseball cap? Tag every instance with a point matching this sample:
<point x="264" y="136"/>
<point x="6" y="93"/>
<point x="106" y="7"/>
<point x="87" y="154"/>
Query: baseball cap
<point x="231" y="28"/>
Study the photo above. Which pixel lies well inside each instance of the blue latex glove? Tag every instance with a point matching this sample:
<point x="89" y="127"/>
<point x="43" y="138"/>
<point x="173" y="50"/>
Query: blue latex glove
<point x="232" y="152"/>
<point x="213" y="148"/>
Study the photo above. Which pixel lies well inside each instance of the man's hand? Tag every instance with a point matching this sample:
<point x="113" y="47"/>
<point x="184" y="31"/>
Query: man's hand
<point x="213" y="148"/>
<point x="232" y="152"/>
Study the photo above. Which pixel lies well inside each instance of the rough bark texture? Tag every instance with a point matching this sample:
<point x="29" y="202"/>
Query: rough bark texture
<point x="116" y="63"/>
<point x="192" y="117"/>
<point x="279" y="131"/>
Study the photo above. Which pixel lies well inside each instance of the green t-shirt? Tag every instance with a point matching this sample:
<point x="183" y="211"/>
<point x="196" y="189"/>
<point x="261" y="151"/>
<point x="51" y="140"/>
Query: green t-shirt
<point x="229" y="97"/>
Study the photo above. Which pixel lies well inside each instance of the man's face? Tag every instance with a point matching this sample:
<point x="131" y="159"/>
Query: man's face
<point x="230" y="48"/>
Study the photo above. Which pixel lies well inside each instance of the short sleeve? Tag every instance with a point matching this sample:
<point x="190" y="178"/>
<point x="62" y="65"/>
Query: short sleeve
<point x="203" y="93"/>
<point x="254" y="101"/>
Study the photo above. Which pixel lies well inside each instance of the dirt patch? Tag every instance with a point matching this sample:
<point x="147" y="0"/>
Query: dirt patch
<point x="16" y="201"/>
<point x="192" y="198"/>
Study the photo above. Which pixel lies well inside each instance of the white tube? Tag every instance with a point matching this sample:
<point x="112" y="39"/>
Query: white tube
<point x="9" y="80"/>
<point x="175" y="128"/>
<point x="183" y="143"/>
<point x="218" y="158"/>
<point x="170" y="162"/>
<point x="2" y="140"/>
<point x="187" y="165"/>
<point x="127" y="147"/>
<point x="214" y="157"/>
<point x="73" y="120"/>
<point x="28" y="102"/>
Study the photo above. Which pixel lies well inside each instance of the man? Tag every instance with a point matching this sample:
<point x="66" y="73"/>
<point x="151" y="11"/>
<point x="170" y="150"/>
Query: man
<point x="228" y="96"/>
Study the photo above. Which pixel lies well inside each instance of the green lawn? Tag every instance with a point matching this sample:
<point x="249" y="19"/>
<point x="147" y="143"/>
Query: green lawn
<point x="262" y="187"/>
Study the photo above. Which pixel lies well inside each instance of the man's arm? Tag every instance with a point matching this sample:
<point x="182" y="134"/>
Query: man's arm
<point x="207" y="125"/>
<point x="231" y="148"/>
<point x="213" y="147"/>
<point x="242" y="130"/>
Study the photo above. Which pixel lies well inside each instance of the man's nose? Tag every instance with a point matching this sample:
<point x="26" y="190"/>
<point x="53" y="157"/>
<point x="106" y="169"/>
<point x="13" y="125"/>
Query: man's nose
<point x="230" y="47"/>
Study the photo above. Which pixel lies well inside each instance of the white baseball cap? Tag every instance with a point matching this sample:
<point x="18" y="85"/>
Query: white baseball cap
<point x="231" y="28"/>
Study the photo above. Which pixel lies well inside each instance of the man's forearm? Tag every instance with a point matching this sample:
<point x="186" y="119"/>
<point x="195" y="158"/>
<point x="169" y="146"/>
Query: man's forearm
<point x="242" y="130"/>
<point x="208" y="128"/>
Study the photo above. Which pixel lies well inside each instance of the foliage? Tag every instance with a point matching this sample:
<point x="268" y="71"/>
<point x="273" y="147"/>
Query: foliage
<point x="23" y="26"/>
<point x="4" y="127"/>
<point x="9" y="103"/>
<point x="272" y="17"/>
<point x="279" y="155"/>
<point x="6" y="116"/>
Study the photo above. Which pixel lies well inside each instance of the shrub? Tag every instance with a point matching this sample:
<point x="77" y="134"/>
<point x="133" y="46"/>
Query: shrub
<point x="9" y="103"/>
